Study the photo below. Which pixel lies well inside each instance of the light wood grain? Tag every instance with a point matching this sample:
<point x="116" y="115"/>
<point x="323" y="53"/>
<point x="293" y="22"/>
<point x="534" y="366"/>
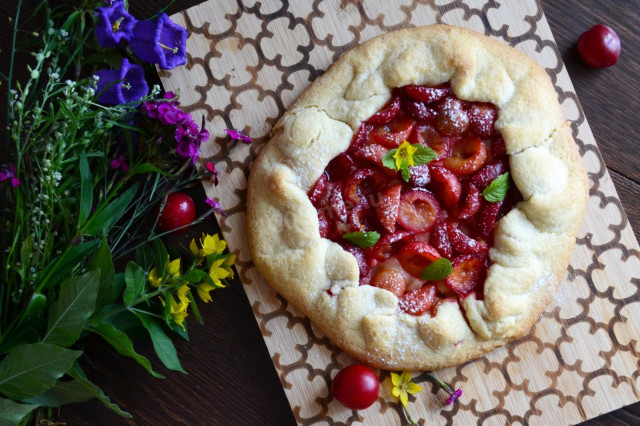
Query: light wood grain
<point x="560" y="352"/>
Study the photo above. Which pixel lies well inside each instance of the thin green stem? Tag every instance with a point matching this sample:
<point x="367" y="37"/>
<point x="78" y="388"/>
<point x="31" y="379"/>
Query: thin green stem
<point x="12" y="63"/>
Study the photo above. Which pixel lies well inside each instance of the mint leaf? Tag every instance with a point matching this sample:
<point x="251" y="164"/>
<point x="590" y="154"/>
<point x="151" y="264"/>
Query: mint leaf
<point x="423" y="155"/>
<point x="497" y="189"/>
<point x="438" y="269"/>
<point x="362" y="239"/>
<point x="406" y="175"/>
<point x="388" y="161"/>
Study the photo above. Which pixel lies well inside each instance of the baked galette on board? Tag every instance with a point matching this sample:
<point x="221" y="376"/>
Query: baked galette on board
<point x="420" y="201"/>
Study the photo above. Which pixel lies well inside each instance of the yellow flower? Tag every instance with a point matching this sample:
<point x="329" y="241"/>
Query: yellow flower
<point x="174" y="268"/>
<point x="228" y="264"/>
<point x="179" y="307"/>
<point x="211" y="244"/>
<point x="403" y="386"/>
<point x="405" y="153"/>
<point x="218" y="272"/>
<point x="154" y="279"/>
<point x="203" y="292"/>
<point x="173" y="271"/>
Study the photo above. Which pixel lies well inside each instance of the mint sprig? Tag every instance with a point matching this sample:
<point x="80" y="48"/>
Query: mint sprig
<point x="497" y="189"/>
<point x="362" y="239"/>
<point x="423" y="155"/>
<point x="439" y="269"/>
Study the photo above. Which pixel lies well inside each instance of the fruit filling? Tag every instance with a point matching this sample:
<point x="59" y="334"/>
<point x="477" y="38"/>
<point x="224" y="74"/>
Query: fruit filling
<point x="416" y="197"/>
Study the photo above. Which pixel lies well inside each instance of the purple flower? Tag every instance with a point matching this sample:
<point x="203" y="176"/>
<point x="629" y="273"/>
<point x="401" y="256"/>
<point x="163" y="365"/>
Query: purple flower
<point x="216" y="206"/>
<point x="168" y="113"/>
<point x="453" y="397"/>
<point x="10" y="173"/>
<point x="121" y="86"/>
<point x="160" y="41"/>
<point x="151" y="108"/>
<point x="114" y="24"/>
<point x="188" y="149"/>
<point x="238" y="135"/>
<point x="120" y="162"/>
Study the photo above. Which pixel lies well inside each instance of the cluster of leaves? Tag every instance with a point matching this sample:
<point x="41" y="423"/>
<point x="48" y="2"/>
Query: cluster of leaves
<point x="73" y="213"/>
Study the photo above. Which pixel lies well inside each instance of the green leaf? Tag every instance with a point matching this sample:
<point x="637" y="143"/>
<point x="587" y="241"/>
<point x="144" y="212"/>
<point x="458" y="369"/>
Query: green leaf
<point x="135" y="279"/>
<point x="362" y="239"/>
<point x="118" y="288"/>
<point x="161" y="343"/>
<point x="59" y="268"/>
<point x="121" y="343"/>
<point x="497" y="189"/>
<point x="406" y="175"/>
<point x="77" y="373"/>
<point x="74" y="306"/>
<point x="103" y="261"/>
<point x="439" y="269"/>
<point x="13" y="413"/>
<point x="146" y="168"/>
<point x="29" y="370"/>
<point x="35" y="308"/>
<point x="26" y="254"/>
<point x="104" y="220"/>
<point x="423" y="155"/>
<point x="388" y="161"/>
<point x="194" y="307"/>
<point x="86" y="189"/>
<point x="62" y="393"/>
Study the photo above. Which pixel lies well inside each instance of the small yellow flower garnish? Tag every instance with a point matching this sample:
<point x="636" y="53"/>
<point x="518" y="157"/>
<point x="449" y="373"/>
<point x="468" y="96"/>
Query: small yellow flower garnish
<point x="218" y="272"/>
<point x="403" y="386"/>
<point x="405" y="153"/>
<point x="173" y="271"/>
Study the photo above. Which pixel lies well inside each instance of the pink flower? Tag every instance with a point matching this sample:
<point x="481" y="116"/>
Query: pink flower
<point x="454" y="396"/>
<point x="120" y="162"/>
<point x="171" y="96"/>
<point x="169" y="114"/>
<point x="213" y="171"/>
<point x="238" y="135"/>
<point x="216" y="206"/>
<point x="10" y="173"/>
<point x="151" y="108"/>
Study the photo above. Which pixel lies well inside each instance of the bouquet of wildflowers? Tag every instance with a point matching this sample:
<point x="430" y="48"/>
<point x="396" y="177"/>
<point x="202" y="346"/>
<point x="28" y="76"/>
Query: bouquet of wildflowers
<point x="93" y="160"/>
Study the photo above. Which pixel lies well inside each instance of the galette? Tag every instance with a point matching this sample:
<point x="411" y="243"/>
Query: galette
<point x="420" y="201"/>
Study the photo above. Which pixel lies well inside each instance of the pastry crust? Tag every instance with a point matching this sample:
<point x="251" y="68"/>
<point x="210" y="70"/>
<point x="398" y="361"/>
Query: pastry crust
<point x="533" y="242"/>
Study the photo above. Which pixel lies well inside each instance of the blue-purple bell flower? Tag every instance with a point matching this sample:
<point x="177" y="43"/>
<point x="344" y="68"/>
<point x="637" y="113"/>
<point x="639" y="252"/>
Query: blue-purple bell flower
<point x="114" y="24"/>
<point x="160" y="41"/>
<point x="121" y="86"/>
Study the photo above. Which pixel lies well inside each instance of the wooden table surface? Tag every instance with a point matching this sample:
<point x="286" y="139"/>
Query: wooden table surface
<point x="231" y="377"/>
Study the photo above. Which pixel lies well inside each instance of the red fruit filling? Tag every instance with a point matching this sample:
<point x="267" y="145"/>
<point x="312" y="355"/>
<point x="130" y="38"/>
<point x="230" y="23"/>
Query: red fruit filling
<point x="440" y="212"/>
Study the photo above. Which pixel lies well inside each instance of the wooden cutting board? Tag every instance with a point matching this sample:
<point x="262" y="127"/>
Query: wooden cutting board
<point x="248" y="62"/>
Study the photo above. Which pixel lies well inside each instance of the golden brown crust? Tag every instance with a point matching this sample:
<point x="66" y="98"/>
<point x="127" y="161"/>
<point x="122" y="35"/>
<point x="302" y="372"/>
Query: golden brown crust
<point x="533" y="243"/>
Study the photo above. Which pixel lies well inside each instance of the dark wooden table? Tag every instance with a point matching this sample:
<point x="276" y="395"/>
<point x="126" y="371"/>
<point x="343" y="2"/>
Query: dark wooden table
<point x="231" y="378"/>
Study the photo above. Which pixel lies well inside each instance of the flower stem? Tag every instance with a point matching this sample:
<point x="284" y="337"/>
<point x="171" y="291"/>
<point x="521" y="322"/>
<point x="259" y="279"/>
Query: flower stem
<point x="406" y="413"/>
